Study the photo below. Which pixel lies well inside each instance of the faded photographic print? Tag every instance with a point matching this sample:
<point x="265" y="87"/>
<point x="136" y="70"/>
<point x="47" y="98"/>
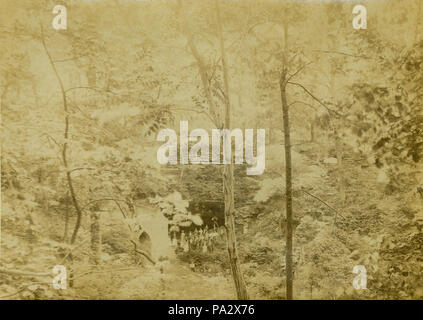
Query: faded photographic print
<point x="211" y="150"/>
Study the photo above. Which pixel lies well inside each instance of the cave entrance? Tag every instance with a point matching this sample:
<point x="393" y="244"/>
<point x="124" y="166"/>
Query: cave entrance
<point x="210" y="211"/>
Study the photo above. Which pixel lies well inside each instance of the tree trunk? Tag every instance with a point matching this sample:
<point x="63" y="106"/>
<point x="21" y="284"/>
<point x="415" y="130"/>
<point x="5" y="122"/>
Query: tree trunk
<point x="95" y="230"/>
<point x="228" y="185"/>
<point x="312" y="130"/>
<point x="65" y="144"/>
<point x="288" y="174"/>
<point x="65" y="232"/>
<point x="64" y="153"/>
<point x="228" y="181"/>
<point x="339" y="156"/>
<point x="288" y="190"/>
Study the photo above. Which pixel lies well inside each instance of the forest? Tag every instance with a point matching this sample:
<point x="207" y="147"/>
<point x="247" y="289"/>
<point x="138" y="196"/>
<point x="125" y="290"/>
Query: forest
<point x="335" y="114"/>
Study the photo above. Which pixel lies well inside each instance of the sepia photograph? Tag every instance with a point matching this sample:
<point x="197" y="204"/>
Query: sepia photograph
<point x="211" y="150"/>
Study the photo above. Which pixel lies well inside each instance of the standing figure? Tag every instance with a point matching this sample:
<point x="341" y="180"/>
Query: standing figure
<point x="215" y="225"/>
<point x="191" y="241"/>
<point x="200" y="239"/>
<point x="210" y="243"/>
<point x="185" y="246"/>
<point x="183" y="240"/>
<point x="174" y="230"/>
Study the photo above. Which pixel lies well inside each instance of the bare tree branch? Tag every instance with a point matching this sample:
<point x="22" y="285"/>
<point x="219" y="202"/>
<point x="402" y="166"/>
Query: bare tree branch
<point x="298" y="71"/>
<point x="343" y="53"/>
<point x="24" y="273"/>
<point x="143" y="253"/>
<point x="90" y="88"/>
<point x="69" y="59"/>
<point x="315" y="98"/>
<point x="66" y="136"/>
<point x="304" y="103"/>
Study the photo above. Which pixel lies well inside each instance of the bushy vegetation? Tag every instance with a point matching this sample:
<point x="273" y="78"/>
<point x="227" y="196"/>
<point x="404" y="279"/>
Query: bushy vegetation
<point x="80" y="181"/>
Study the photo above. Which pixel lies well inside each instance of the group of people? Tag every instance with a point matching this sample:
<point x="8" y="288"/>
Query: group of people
<point x="201" y="239"/>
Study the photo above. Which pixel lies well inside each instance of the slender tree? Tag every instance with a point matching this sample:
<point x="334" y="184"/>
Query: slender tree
<point x="228" y="177"/>
<point x="288" y="171"/>
<point x="65" y="143"/>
